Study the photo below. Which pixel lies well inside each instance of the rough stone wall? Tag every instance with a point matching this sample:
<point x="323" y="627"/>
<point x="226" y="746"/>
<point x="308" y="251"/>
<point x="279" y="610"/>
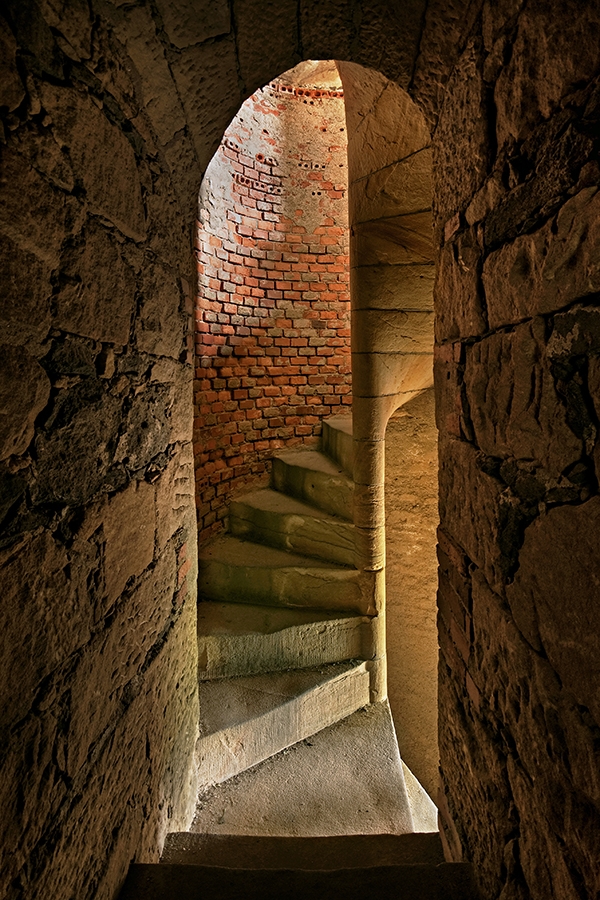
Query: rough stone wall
<point x="110" y="114"/>
<point x="107" y="93"/>
<point x="516" y="213"/>
<point x="273" y="309"/>
<point x="411" y="519"/>
<point x="98" y="707"/>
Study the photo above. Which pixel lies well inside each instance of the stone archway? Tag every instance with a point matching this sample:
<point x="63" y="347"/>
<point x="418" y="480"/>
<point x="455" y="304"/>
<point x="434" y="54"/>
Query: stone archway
<point x="392" y="277"/>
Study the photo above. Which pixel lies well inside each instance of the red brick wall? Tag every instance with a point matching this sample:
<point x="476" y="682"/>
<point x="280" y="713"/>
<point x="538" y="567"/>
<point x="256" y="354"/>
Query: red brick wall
<point x="273" y="310"/>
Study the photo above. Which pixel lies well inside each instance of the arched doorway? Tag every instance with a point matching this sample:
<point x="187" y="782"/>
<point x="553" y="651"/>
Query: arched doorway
<point x="272" y="288"/>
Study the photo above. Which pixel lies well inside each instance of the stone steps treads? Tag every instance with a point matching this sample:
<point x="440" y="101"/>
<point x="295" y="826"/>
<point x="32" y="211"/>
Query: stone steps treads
<point x="346" y="779"/>
<point x="236" y="571"/>
<point x="336" y="441"/>
<point x="237" y="639"/>
<point x="313" y="477"/>
<point x="346" y="851"/>
<point x="245" y="720"/>
<point x="269" y="517"/>
<point x="447" y="881"/>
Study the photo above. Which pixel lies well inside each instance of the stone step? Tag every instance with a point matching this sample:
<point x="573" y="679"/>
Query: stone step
<point x="313" y="477"/>
<point x="347" y="779"/>
<point x="236" y="639"/>
<point x="245" y="720"/>
<point x="347" y="851"/>
<point x="447" y="881"/>
<point x="270" y="517"/>
<point x="236" y="571"/>
<point x="336" y="442"/>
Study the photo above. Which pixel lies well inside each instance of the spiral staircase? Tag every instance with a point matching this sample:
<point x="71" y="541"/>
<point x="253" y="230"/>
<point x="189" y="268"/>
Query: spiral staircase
<point x="302" y="789"/>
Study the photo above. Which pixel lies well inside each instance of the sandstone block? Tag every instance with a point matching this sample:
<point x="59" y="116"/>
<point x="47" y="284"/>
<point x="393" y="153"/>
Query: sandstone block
<point x="148" y="427"/>
<point x="29" y="791"/>
<point x="554" y="156"/>
<point x="159" y="97"/>
<point x="400" y="188"/>
<point x="575" y="332"/>
<point x="460" y="147"/>
<point x="555" y="604"/>
<point x="392" y="331"/>
<point x="161" y="325"/>
<point x="321" y="31"/>
<point x="73" y="22"/>
<point x="549" y="269"/>
<point x="37" y="636"/>
<point x="185" y="26"/>
<point x="175" y="496"/>
<point x="515" y="408"/>
<point x="458" y="293"/>
<point x="476" y="510"/>
<point x="102" y="158"/>
<point x="118" y="652"/>
<point x="12" y="91"/>
<point x="207" y="81"/>
<point x="445" y="24"/>
<point x="447" y="371"/>
<point x="384" y="125"/>
<point x="550" y="733"/>
<point x="550" y="55"/>
<point x="129" y="526"/>
<point x="98" y="297"/>
<point x="165" y="209"/>
<point x="395" y="376"/>
<point x="485" y="200"/>
<point x="35" y="37"/>
<point x="397" y="241"/>
<point x="24" y="392"/>
<point x="474" y="762"/>
<point x="173" y="687"/>
<point x="277" y="25"/>
<point x="39" y="226"/>
<point x="46" y="157"/>
<point x="75" y="451"/>
<point x="12" y="487"/>
<point x="393" y="287"/>
<point x="141" y="755"/>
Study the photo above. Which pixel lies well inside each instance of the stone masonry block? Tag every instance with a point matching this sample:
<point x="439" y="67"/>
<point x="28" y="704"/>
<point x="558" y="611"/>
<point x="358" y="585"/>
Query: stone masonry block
<point x="102" y="158"/>
<point x="545" y="271"/>
<point x="24" y="392"/>
<point x="129" y="526"/>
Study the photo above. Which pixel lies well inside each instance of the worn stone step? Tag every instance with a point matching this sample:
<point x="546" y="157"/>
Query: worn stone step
<point x="270" y="517"/>
<point x="313" y="477"/>
<point x="244" y="721"/>
<point x="238" y="639"/>
<point x="337" y="443"/>
<point x="347" y="779"/>
<point x="447" y="881"/>
<point x="236" y="571"/>
<point x="347" y="851"/>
